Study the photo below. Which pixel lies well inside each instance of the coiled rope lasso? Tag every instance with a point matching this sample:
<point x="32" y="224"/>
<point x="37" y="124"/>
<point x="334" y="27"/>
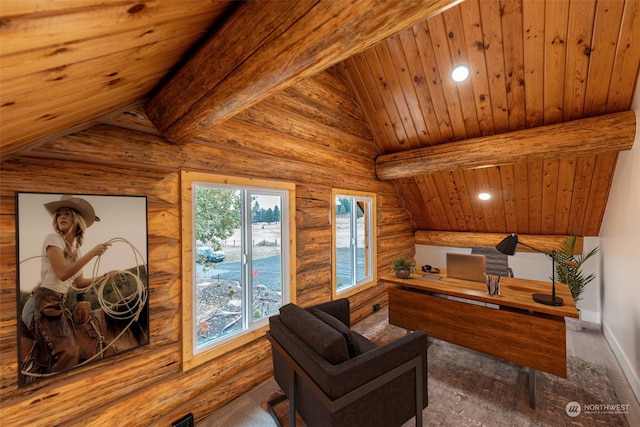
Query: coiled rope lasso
<point x="134" y="302"/>
<point x="121" y="307"/>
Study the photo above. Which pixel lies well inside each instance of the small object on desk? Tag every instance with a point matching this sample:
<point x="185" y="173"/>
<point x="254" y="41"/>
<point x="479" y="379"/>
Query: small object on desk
<point x="428" y="269"/>
<point x="493" y="285"/>
<point x="426" y="276"/>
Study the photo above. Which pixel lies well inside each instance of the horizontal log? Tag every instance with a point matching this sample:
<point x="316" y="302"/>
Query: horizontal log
<point x="310" y="262"/>
<point x="360" y="299"/>
<point x="334" y="79"/>
<point x="313" y="239"/>
<point x="96" y="380"/>
<point x="325" y="107"/>
<point x="314" y="192"/>
<point x="320" y="295"/>
<point x="313" y="218"/>
<point x="610" y="132"/>
<point x="187" y="388"/>
<point x="302" y="142"/>
<point x="165" y="298"/>
<point x="269" y="45"/>
<point x="394" y="243"/>
<point x="164" y="223"/>
<point x="546" y="243"/>
<point x="387" y="200"/>
<point x="385" y="259"/>
<point x="48" y="175"/>
<point x="385" y="230"/>
<point x="207" y="403"/>
<point x="361" y="304"/>
<point x="311" y="280"/>
<point x="360" y="313"/>
<point x="304" y="117"/>
<point x="129" y="147"/>
<point x="393" y="216"/>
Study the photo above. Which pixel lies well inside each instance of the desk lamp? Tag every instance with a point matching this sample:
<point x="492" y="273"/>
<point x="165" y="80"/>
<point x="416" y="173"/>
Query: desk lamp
<point x="508" y="246"/>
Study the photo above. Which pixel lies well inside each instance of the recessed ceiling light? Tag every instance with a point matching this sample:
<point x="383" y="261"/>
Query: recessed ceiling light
<point x="484" y="196"/>
<point x="460" y="73"/>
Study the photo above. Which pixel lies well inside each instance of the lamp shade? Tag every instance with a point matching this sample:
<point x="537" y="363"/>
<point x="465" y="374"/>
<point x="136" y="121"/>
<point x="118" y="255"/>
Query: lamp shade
<point x="509" y="244"/>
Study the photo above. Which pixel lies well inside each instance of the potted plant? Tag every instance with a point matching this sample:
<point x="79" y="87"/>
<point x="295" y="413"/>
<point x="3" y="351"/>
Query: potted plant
<point x="572" y="276"/>
<point x="403" y="267"/>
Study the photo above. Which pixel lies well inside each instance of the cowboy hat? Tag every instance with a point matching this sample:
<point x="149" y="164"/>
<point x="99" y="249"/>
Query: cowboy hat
<point x="79" y="205"/>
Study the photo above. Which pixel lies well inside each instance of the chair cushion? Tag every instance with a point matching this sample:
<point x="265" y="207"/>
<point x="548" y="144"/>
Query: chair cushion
<point x="338" y="308"/>
<point x="352" y="345"/>
<point x="322" y="338"/>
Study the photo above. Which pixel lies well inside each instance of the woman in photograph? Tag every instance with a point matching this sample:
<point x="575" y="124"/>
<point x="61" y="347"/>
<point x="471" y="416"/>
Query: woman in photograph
<point x="45" y="315"/>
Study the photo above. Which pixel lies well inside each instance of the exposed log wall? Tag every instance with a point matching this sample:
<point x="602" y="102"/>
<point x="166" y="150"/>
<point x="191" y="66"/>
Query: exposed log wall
<point x="127" y="157"/>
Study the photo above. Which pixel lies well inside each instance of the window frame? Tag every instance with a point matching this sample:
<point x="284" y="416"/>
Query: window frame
<point x="191" y="358"/>
<point x="373" y="243"/>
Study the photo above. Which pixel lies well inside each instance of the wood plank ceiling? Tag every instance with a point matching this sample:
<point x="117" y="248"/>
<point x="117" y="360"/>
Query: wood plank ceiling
<point x="66" y="63"/>
<point x="533" y="63"/>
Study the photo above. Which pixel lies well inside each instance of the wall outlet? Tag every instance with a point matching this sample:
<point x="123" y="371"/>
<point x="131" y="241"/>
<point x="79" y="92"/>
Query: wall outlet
<point x="376" y="307"/>
<point x="186" y="421"/>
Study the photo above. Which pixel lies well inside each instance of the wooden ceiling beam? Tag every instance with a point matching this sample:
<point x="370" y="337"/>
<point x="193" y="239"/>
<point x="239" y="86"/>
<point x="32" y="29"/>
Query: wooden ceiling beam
<point x="266" y="46"/>
<point x="545" y="243"/>
<point x="610" y="132"/>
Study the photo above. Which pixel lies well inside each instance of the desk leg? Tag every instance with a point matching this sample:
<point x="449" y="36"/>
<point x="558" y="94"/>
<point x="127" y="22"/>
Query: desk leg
<point x="532" y="388"/>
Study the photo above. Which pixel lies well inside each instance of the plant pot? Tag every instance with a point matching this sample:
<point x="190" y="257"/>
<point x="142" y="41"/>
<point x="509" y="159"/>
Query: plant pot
<point x="403" y="274"/>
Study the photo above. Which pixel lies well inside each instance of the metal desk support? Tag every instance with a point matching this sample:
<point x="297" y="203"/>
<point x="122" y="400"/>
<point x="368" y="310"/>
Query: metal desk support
<point x="532" y="388"/>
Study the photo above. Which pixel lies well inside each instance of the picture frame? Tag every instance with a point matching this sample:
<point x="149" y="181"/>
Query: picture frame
<point x="101" y="310"/>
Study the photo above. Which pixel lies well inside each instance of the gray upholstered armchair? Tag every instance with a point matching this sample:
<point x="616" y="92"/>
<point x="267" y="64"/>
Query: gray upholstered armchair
<point x="336" y="377"/>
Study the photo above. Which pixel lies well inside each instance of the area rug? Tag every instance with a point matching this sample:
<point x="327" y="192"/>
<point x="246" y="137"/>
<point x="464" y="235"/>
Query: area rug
<point x="468" y="388"/>
<point x="281" y="409"/>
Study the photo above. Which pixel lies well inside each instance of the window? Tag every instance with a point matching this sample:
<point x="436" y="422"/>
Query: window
<point x="354" y="242"/>
<point x="237" y="260"/>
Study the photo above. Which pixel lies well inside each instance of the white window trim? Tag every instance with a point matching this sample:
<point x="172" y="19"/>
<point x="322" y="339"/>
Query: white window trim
<point x="374" y="244"/>
<point x="190" y="358"/>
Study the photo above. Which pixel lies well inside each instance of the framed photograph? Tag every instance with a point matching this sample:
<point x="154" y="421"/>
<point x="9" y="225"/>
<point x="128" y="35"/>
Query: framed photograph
<point x="82" y="287"/>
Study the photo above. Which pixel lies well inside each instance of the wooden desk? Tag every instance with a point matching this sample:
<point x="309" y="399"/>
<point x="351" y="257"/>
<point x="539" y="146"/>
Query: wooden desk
<point x="511" y="326"/>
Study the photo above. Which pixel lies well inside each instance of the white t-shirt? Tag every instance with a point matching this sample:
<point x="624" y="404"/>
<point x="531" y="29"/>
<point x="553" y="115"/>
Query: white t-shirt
<point x="47" y="274"/>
